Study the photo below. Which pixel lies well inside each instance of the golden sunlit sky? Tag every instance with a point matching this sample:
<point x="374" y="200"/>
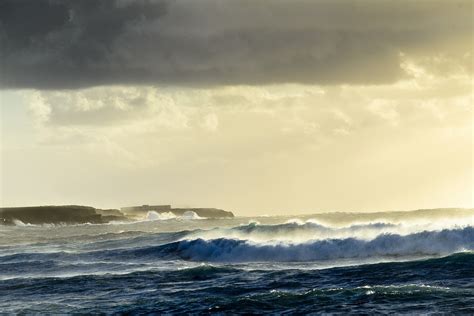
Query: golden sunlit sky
<point x="258" y="107"/>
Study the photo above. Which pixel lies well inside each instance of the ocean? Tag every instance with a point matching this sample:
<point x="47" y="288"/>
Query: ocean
<point x="340" y="263"/>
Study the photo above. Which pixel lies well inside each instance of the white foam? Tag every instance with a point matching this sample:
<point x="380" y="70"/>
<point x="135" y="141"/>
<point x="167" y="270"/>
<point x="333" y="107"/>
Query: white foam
<point x="190" y="215"/>
<point x="17" y="222"/>
<point x="155" y="216"/>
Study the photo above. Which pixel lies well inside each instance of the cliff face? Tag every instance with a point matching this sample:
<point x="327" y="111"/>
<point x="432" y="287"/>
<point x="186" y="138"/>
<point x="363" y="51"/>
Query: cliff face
<point x="70" y="214"/>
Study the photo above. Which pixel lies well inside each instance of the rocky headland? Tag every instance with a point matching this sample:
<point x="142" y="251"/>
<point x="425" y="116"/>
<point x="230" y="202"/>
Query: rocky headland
<point x="76" y="214"/>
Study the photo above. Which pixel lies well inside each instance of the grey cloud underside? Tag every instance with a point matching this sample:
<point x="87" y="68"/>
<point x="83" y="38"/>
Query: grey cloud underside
<point x="75" y="44"/>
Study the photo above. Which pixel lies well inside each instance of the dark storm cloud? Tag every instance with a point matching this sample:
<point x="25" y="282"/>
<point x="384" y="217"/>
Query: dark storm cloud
<point x="47" y="43"/>
<point x="74" y="44"/>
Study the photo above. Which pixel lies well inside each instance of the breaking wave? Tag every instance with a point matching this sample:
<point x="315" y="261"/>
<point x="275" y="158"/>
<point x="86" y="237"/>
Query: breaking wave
<point x="155" y="216"/>
<point x="427" y="243"/>
<point x="298" y="231"/>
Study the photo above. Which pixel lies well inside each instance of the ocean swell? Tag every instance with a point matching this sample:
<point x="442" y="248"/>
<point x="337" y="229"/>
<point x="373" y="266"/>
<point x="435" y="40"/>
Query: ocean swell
<point x="298" y="231"/>
<point x="427" y="243"/>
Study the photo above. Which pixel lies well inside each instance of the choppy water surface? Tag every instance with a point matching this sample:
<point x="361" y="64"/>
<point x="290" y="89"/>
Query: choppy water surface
<point x="339" y="263"/>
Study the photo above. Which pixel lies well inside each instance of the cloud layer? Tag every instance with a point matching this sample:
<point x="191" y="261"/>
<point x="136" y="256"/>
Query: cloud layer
<point x="258" y="149"/>
<point x="50" y="44"/>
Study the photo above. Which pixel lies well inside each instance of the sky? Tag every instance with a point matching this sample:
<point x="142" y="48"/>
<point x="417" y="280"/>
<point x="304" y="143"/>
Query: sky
<point x="253" y="106"/>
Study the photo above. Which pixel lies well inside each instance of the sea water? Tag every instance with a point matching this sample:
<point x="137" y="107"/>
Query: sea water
<point x="323" y="263"/>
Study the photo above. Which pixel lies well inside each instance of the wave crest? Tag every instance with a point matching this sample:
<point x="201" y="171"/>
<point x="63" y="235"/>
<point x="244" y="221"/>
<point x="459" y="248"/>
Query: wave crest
<point x="296" y="231"/>
<point x="427" y="243"/>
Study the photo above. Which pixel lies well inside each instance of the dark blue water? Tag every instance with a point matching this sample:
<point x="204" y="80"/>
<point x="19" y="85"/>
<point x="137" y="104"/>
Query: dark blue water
<point x="140" y="268"/>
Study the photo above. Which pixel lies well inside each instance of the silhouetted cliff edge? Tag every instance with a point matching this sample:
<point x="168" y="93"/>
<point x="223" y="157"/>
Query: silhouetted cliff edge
<point x="67" y="214"/>
<point x="76" y="214"/>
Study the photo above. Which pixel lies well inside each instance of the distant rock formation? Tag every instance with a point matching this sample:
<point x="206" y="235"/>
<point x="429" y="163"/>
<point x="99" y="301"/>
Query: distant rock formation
<point x="76" y="214"/>
<point x="141" y="211"/>
<point x="69" y="214"/>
